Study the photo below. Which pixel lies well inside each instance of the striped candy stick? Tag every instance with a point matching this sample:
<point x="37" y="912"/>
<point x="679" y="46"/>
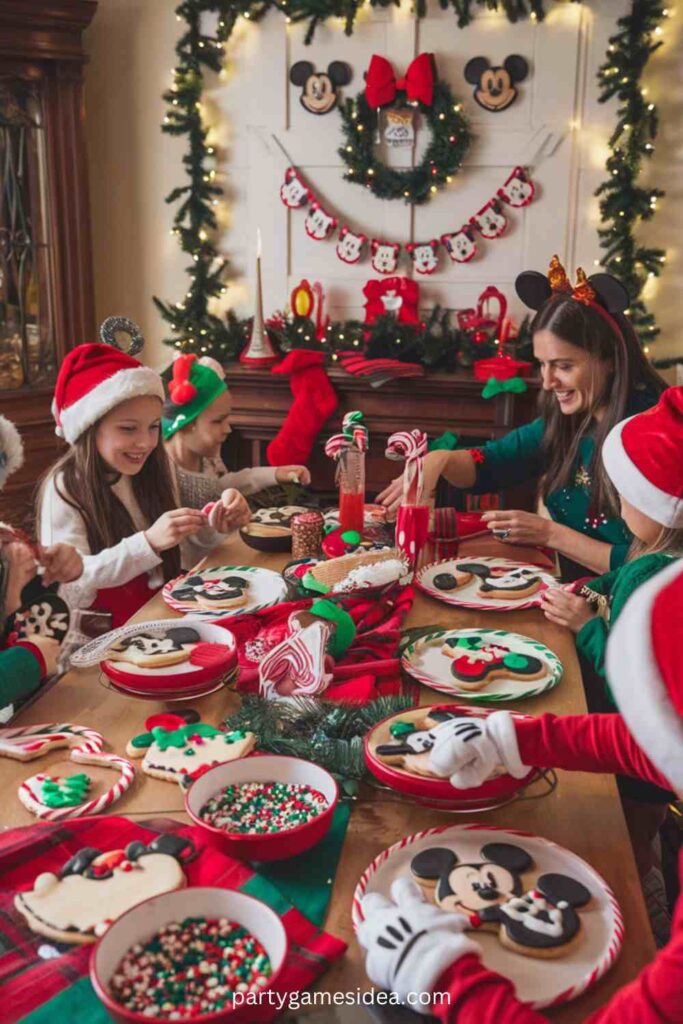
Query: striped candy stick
<point x="301" y="659"/>
<point x="410" y="445"/>
<point x="27" y="743"/>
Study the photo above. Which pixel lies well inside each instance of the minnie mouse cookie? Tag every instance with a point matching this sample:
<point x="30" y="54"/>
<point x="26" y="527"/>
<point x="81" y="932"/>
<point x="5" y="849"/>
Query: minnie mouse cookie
<point x="95" y="887"/>
<point x="156" y="650"/>
<point x="537" y="921"/>
<point x="172" y="749"/>
<point x="476" y="663"/>
<point x="210" y="593"/>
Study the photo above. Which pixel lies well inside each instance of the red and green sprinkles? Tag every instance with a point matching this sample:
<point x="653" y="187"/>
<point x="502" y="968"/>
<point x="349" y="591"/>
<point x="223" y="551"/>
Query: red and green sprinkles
<point x="263" y="807"/>
<point x="191" y="969"/>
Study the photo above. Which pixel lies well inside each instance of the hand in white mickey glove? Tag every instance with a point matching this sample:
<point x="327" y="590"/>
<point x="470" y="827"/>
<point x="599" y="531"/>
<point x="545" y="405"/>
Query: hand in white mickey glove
<point x="467" y="750"/>
<point x="409" y="943"/>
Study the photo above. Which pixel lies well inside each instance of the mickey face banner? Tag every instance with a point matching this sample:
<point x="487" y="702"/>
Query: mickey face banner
<point x="461" y="245"/>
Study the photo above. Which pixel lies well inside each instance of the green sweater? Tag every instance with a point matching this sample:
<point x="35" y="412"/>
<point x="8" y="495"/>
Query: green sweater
<point x="19" y="674"/>
<point x="519" y="456"/>
<point x="617" y="586"/>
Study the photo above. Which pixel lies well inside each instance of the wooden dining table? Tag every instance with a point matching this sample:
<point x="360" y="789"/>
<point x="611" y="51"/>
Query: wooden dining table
<point x="583" y="813"/>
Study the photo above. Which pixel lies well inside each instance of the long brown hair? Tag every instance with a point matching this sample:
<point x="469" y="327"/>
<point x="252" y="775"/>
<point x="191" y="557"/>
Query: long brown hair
<point x="82" y="471"/>
<point x="668" y="542"/>
<point x="579" y="325"/>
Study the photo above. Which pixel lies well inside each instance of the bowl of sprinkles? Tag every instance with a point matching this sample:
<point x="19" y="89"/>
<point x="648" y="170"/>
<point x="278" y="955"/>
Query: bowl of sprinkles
<point x="267" y="807"/>
<point x="202" y="954"/>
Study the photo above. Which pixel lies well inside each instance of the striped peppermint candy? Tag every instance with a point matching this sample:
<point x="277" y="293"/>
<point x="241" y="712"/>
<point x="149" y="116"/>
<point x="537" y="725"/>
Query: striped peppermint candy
<point x="30" y="742"/>
<point x="300" y="658"/>
<point x="410" y="445"/>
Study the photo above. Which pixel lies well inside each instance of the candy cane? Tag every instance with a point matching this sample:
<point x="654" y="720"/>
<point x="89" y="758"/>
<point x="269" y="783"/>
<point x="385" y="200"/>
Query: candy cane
<point x="30" y="742"/>
<point x="354" y="435"/>
<point x="410" y="445"/>
<point x="301" y="658"/>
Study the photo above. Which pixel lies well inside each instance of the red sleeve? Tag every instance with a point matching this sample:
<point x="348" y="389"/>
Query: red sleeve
<point x="585" y="743"/>
<point x="471" y="994"/>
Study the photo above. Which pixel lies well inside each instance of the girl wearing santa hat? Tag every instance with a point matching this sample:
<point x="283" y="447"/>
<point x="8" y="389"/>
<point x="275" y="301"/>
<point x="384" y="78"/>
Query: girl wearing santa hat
<point x="196" y="422"/>
<point x="432" y="954"/>
<point x="24" y="663"/>
<point x="593" y="374"/>
<point x="113" y="495"/>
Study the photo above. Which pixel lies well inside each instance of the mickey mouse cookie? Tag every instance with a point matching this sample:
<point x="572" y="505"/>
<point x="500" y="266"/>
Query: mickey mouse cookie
<point x="447" y="581"/>
<point x="412" y="743"/>
<point x="502" y="583"/>
<point x="146" y="650"/>
<point x="476" y="663"/>
<point x="174" y="750"/>
<point x="94" y="887"/>
<point x="537" y="921"/>
<point x="221" y="592"/>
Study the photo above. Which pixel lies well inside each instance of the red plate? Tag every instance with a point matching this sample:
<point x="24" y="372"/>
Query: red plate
<point x="439" y="792"/>
<point x="157" y="680"/>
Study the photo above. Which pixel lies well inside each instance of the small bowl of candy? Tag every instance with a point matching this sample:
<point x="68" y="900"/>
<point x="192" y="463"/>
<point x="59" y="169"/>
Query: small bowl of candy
<point x="200" y="953"/>
<point x="263" y="807"/>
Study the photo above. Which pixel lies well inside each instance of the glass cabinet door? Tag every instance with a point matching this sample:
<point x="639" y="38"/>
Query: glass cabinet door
<point x="27" y="343"/>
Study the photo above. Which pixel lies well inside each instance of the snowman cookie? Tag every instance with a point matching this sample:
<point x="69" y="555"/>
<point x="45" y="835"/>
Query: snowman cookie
<point x="94" y="888"/>
<point x="157" y="650"/>
<point x="538" y="920"/>
<point x="176" y="750"/>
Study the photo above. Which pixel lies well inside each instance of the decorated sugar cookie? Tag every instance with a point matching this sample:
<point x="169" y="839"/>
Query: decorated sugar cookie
<point x="412" y="743"/>
<point x="273" y="522"/>
<point x="475" y="663"/>
<point x="501" y="583"/>
<point x="447" y="581"/>
<point x="178" y="752"/>
<point x="209" y="593"/>
<point x="94" y="887"/>
<point x="540" y="921"/>
<point x="155" y="651"/>
<point x="54" y="797"/>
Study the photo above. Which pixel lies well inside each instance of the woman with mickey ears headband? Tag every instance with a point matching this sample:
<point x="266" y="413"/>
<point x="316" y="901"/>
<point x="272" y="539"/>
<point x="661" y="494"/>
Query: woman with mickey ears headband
<point x="593" y="375"/>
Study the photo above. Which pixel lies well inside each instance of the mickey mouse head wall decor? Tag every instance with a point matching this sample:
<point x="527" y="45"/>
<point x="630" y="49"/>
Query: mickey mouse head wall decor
<point x="319" y="88"/>
<point x="495" y="85"/>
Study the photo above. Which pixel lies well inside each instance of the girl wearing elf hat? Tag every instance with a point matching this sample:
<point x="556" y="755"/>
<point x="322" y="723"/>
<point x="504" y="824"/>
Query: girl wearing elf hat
<point x="25" y="662"/>
<point x="645" y="671"/>
<point x="593" y="374"/>
<point x="196" y="422"/>
<point x="113" y="494"/>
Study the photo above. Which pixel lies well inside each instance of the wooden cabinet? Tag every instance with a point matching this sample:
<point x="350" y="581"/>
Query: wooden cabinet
<point x="46" y="290"/>
<point x="435" y="403"/>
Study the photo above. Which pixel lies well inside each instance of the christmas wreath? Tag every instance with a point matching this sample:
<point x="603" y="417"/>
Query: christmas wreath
<point x="442" y="113"/>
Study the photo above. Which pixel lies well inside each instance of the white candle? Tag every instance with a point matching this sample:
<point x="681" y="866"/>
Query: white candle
<point x="258" y="243"/>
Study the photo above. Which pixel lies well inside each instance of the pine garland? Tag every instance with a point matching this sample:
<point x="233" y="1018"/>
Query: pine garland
<point x="623" y="203"/>
<point x="196" y="328"/>
<point x="323" y="731"/>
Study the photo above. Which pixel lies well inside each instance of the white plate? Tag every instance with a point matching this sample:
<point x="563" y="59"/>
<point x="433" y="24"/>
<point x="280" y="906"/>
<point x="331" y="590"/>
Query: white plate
<point x="537" y="982"/>
<point x="468" y="596"/>
<point x="266" y="588"/>
<point x="424" y="661"/>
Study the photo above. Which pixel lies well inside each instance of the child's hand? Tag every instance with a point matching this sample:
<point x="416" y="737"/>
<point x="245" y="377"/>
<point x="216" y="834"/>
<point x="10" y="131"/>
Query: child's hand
<point x="171" y="527"/>
<point x="566" y="609"/>
<point x="293" y="474"/>
<point x="62" y="563"/>
<point x="231" y="512"/>
<point x="21" y="566"/>
<point x="49" y="649"/>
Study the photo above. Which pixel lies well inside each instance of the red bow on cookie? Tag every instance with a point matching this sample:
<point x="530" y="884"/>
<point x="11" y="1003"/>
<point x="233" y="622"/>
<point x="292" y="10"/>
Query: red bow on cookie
<point x="381" y="84"/>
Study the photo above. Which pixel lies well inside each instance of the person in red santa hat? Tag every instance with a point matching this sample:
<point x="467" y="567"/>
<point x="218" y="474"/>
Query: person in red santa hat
<point x="645" y="741"/>
<point x="113" y="494"/>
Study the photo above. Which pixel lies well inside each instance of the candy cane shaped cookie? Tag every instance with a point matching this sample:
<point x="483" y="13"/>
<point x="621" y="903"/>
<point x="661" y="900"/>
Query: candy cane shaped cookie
<point x="410" y="445"/>
<point x="55" y="798"/>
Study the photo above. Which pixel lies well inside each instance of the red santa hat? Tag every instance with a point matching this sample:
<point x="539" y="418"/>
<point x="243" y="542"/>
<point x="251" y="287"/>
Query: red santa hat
<point x="644" y="458"/>
<point x="93" y="380"/>
<point x="645" y="669"/>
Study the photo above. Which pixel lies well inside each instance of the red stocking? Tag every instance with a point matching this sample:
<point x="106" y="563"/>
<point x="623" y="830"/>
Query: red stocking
<point x="314" y="401"/>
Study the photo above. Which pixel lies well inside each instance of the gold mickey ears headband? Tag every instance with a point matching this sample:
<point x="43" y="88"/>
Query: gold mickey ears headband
<point x="582" y="291"/>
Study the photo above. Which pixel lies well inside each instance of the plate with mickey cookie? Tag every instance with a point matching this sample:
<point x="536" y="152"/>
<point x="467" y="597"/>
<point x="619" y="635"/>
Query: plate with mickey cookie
<point x="165" y="658"/>
<point x="270" y="529"/>
<point x="485" y="583"/>
<point x="482" y="665"/>
<point x="527" y="900"/>
<point x="397" y="752"/>
<point x="224" y="591"/>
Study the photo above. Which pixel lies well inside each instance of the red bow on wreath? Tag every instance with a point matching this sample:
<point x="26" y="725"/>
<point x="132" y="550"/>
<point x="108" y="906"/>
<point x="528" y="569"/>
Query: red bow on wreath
<point x="381" y="84"/>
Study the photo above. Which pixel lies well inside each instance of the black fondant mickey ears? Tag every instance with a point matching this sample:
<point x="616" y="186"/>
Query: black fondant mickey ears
<point x="514" y="858"/>
<point x="611" y="293"/>
<point x="533" y="288"/>
<point x="558" y="888"/>
<point x="433" y="863"/>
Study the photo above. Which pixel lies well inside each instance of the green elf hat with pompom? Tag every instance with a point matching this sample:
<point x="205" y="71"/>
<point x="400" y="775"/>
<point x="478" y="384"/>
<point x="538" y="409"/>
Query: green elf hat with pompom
<point x="195" y="384"/>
